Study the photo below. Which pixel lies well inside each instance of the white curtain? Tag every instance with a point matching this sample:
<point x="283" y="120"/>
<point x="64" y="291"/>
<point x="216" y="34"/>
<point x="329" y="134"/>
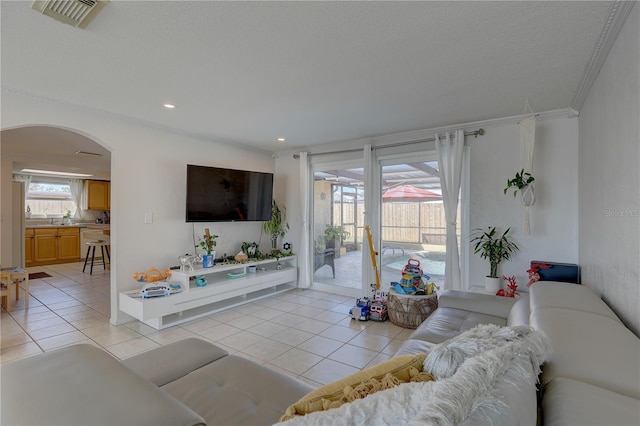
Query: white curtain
<point x="77" y="191"/>
<point x="304" y="254"/>
<point x="371" y="204"/>
<point x="450" y="152"/>
<point x="527" y="141"/>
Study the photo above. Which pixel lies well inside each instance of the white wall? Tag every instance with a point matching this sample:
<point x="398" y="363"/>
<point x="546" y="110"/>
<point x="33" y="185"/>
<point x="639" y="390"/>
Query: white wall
<point x="148" y="175"/>
<point x="609" y="153"/>
<point x="495" y="158"/>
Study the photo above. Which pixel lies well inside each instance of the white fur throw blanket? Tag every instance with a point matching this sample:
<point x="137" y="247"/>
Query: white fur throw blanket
<point x="467" y="368"/>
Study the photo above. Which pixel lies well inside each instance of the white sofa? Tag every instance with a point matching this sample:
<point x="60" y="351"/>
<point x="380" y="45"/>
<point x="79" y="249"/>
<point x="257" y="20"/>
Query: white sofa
<point x="591" y="376"/>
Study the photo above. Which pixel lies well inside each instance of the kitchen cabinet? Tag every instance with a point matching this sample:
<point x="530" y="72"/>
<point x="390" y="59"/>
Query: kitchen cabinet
<point x="46" y="246"/>
<point x="98" y="195"/>
<point x="52" y="245"/>
<point x="68" y="244"/>
<point x="29" y="236"/>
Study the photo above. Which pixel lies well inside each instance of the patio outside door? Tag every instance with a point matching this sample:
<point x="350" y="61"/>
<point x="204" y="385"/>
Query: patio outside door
<point x="338" y="225"/>
<point x="413" y="220"/>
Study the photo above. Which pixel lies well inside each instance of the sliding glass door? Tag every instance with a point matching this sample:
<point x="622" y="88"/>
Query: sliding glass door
<point x="413" y="225"/>
<point x="338" y="223"/>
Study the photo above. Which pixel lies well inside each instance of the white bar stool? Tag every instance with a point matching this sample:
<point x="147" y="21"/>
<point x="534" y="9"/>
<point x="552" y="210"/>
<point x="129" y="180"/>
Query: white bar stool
<point x="96" y="239"/>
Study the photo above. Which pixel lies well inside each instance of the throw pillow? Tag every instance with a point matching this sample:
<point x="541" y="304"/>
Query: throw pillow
<point x="382" y="376"/>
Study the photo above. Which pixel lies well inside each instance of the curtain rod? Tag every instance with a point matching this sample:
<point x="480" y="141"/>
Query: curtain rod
<point x="474" y="133"/>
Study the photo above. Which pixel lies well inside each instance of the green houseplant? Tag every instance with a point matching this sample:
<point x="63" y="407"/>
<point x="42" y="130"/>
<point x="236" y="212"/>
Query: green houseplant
<point x="276" y="227"/>
<point x="494" y="247"/>
<point x="519" y="182"/>
<point x="333" y="237"/>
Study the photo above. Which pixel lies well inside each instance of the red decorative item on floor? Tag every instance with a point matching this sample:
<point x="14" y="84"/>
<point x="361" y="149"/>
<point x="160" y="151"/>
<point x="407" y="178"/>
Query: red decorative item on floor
<point x="510" y="291"/>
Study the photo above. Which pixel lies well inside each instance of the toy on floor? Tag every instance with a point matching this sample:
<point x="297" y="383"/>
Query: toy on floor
<point x="362" y="310"/>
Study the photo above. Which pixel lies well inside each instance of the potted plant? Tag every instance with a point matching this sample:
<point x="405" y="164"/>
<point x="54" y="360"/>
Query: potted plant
<point x="276" y="227"/>
<point x="207" y="243"/>
<point x="333" y="237"/>
<point x="495" y="248"/>
<point x="522" y="182"/>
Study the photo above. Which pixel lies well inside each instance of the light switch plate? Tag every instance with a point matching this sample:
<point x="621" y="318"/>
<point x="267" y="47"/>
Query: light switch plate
<point x="148" y="217"/>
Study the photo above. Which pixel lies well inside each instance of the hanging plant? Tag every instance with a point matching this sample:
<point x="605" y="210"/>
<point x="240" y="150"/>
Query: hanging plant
<point x="520" y="182"/>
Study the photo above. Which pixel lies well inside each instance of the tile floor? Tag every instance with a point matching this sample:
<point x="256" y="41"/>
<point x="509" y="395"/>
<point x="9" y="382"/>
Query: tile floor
<point x="304" y="333"/>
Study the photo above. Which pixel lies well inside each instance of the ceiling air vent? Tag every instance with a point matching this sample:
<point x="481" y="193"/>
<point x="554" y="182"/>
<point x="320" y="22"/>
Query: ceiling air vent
<point x="73" y="12"/>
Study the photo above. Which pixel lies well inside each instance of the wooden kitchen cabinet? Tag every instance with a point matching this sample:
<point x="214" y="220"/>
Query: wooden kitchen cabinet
<point x="55" y="245"/>
<point x="68" y="244"/>
<point x="29" y="236"/>
<point x="98" y="195"/>
<point x="46" y="246"/>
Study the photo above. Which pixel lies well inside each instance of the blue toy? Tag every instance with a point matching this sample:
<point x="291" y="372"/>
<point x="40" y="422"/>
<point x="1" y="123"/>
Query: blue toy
<point x="362" y="310"/>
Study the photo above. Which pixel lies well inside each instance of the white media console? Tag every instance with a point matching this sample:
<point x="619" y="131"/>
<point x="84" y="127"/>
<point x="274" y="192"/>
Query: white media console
<point x="272" y="276"/>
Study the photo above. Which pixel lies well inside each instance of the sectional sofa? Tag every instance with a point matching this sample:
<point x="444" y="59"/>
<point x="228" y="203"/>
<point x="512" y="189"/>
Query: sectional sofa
<point x="475" y="360"/>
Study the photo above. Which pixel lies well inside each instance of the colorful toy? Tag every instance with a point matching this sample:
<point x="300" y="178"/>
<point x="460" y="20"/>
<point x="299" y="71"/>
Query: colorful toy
<point x="155" y="290"/>
<point x="152" y="275"/>
<point x="362" y="310"/>
<point x="379" y="311"/>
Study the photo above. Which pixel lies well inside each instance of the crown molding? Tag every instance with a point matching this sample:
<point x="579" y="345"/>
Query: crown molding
<point x="618" y="13"/>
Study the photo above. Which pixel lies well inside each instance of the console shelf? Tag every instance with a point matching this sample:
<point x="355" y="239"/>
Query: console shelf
<point x="272" y="277"/>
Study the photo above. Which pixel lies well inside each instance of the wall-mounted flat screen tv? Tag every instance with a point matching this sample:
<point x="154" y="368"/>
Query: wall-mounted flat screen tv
<point x="225" y="195"/>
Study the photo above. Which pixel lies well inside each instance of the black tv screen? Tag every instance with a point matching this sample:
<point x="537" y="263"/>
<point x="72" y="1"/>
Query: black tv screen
<point x="226" y="195"/>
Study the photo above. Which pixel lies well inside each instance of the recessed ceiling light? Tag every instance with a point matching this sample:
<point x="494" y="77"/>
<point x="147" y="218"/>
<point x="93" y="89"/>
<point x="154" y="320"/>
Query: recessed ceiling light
<point x="281" y="139"/>
<point x="169" y="106"/>
<point x="50" y="172"/>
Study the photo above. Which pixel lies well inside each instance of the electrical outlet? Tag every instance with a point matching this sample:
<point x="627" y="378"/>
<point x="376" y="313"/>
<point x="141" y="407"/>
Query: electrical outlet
<point x="148" y="217"/>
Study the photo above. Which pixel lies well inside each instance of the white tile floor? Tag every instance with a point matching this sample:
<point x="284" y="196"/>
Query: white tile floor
<point x="305" y="333"/>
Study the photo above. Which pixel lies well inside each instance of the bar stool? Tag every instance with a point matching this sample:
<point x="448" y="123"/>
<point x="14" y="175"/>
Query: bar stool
<point x="96" y="239"/>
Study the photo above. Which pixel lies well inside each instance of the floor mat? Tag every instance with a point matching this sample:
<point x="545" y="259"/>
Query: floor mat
<point x="37" y="275"/>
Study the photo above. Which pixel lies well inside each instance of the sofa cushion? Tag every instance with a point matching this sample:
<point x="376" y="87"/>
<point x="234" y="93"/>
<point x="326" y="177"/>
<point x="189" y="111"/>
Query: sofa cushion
<point x="84" y="385"/>
<point x="591" y="348"/>
<point x="183" y="356"/>
<point x="236" y="391"/>
<point x="570" y="402"/>
<point x="476" y="302"/>
<point x="445" y="323"/>
<point x="414" y="346"/>
<point x="555" y="294"/>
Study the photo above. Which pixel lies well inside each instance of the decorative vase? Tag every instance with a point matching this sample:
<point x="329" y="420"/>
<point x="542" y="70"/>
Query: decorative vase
<point x="208" y="260"/>
<point x="528" y="195"/>
<point x="492" y="285"/>
<point x="241" y="257"/>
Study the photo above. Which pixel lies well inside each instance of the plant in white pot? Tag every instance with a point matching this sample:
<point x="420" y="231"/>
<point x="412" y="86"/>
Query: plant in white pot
<point x="494" y="247"/>
<point x="523" y="182"/>
<point x="276" y="227"/>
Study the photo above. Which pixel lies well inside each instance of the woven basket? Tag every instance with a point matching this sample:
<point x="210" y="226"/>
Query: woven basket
<point x="409" y="311"/>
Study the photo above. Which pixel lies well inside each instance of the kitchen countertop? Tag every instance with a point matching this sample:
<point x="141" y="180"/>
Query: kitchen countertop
<point x="74" y="225"/>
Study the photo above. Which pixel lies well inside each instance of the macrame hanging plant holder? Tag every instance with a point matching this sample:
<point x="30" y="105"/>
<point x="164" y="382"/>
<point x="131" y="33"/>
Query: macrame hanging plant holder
<point x="527" y="141"/>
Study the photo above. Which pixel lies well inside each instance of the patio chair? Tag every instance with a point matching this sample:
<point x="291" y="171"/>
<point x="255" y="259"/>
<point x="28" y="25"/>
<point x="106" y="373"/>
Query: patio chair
<point x="324" y="257"/>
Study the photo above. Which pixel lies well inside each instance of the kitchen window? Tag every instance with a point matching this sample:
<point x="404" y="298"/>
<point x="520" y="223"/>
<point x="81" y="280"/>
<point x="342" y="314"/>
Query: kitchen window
<point x="49" y="199"/>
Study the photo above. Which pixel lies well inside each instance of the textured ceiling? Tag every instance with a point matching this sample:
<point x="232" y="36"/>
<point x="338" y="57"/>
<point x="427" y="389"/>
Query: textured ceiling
<point x="313" y="72"/>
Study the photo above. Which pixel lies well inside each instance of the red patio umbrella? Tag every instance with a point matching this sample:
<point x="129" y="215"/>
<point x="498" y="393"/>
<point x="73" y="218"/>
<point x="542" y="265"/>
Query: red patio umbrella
<point x="408" y="194"/>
